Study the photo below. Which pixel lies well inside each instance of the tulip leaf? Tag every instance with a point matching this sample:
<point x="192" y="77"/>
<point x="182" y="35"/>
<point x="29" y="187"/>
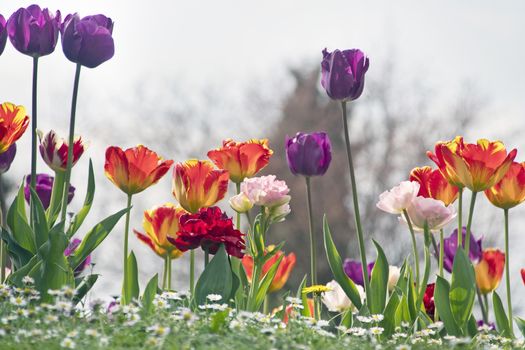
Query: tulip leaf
<point x="19" y="255"/>
<point x="130" y="288"/>
<point x="16" y="277"/>
<point x="149" y="294"/>
<point x="424" y="281"/>
<point x="379" y="282"/>
<point x="265" y="283"/>
<point x="17" y="206"/>
<point x="244" y="286"/>
<point x="94" y="237"/>
<point x="39" y="222"/>
<point x="521" y="325"/>
<point x="84" y="287"/>
<point x="215" y="279"/>
<point x="336" y="265"/>
<point x="18" y="225"/>
<point x="462" y="288"/>
<point x="389" y="321"/>
<point x="411" y="296"/>
<point x="502" y="321"/>
<point x="443" y="307"/>
<point x="472" y="326"/>
<point x="56" y="197"/>
<point x="304" y="298"/>
<point x="79" y="218"/>
<point x="402" y="312"/>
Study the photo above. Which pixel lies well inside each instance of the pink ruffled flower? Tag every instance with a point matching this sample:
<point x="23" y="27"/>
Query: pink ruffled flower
<point x="399" y="197"/>
<point x="266" y="191"/>
<point x="429" y="210"/>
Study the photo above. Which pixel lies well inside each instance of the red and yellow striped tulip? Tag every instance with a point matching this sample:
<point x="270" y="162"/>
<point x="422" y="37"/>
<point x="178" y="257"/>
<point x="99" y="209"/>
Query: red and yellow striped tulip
<point x="490" y="270"/>
<point x="241" y="159"/>
<point x="283" y="271"/>
<point x="54" y="149"/>
<point x="432" y="184"/>
<point x="476" y="166"/>
<point x="197" y="184"/>
<point x="134" y="169"/>
<point x="13" y="123"/>
<point x="510" y="191"/>
<point x="160" y="223"/>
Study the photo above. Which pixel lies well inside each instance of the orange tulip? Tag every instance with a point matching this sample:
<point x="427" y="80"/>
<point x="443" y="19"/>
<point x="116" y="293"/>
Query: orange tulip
<point x="197" y="184"/>
<point x="241" y="159"/>
<point x="283" y="271"/>
<point x="134" y="169"/>
<point x="475" y="166"/>
<point x="160" y="223"/>
<point x="432" y="184"/>
<point x="510" y="191"/>
<point x="490" y="270"/>
<point x="13" y="123"/>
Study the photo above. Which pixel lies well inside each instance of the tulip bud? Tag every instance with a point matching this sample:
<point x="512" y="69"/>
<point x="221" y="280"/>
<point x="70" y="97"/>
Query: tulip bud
<point x="279" y="213"/>
<point x="490" y="270"/>
<point x="240" y="203"/>
<point x="43" y="188"/>
<point x="308" y="154"/>
<point x="393" y="277"/>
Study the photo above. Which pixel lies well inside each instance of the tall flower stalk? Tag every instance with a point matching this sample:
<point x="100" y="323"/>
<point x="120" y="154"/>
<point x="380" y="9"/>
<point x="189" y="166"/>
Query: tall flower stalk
<point x="34" y="122"/>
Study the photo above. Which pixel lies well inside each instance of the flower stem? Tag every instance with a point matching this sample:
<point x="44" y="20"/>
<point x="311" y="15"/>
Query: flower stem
<point x="165" y="273"/>
<point x="266" y="304"/>
<point x="483" y="308"/>
<point x="313" y="262"/>
<point x="70" y="143"/>
<point x="441" y="252"/>
<point x="126" y="233"/>
<point x="56" y="196"/>
<point x="487" y="309"/>
<point x="206" y="258"/>
<point x="357" y="218"/>
<point x="169" y="272"/>
<point x="192" y="271"/>
<point x="238" y="223"/>
<point x="469" y="223"/>
<point x="460" y="217"/>
<point x="34" y="127"/>
<point x="414" y="245"/>
<point x="507" y="268"/>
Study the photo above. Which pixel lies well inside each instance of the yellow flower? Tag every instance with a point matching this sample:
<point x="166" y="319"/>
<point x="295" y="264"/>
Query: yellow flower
<point x="316" y="289"/>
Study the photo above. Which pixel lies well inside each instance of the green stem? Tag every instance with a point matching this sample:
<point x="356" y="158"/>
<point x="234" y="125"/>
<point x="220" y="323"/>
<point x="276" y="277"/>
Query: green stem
<point x="165" y="273"/>
<point x="126" y="234"/>
<point x="206" y="258"/>
<point x="460" y="217"/>
<point x="487" y="309"/>
<point x="441" y="251"/>
<point x="507" y="268"/>
<point x="359" y="229"/>
<point x="469" y="222"/>
<point x="238" y="222"/>
<point x="313" y="255"/>
<point x="169" y="272"/>
<point x="192" y="271"/>
<point x="484" y="313"/>
<point x="266" y="304"/>
<point x="56" y="196"/>
<point x="34" y="127"/>
<point x="414" y="246"/>
<point x="70" y="143"/>
<point x="3" y="253"/>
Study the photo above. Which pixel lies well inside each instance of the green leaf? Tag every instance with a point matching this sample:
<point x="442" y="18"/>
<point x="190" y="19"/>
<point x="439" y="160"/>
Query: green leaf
<point x="244" y="286"/>
<point x="379" y="282"/>
<point x="442" y="302"/>
<point x="389" y="320"/>
<point x="94" y="237"/>
<point x="402" y="311"/>
<point x="79" y="218"/>
<point x="39" y="222"/>
<point x="16" y="277"/>
<point x="265" y="283"/>
<point x="304" y="298"/>
<point x="502" y="321"/>
<point x="521" y="324"/>
<point x="462" y="288"/>
<point x="19" y="256"/>
<point x="218" y="320"/>
<point x="149" y="294"/>
<point x="215" y="279"/>
<point x="472" y="326"/>
<point x="130" y="289"/>
<point x="21" y="232"/>
<point x="336" y="265"/>
<point x="18" y="206"/>
<point x="56" y="197"/>
<point x="347" y="318"/>
<point x="424" y="281"/>
<point x="84" y="287"/>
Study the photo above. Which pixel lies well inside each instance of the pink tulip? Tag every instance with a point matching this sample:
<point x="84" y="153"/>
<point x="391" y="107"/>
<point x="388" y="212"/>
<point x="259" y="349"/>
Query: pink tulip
<point x="266" y="191"/>
<point x="430" y="211"/>
<point x="398" y="198"/>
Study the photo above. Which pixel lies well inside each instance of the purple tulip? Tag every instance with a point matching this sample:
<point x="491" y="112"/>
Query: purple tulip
<point x="88" y="41"/>
<point x="451" y="245"/>
<point x="34" y="31"/>
<point x="44" y="186"/>
<point x="354" y="270"/>
<point x="73" y="245"/>
<point x="7" y="158"/>
<point x="343" y="73"/>
<point x="3" y="34"/>
<point x="308" y="154"/>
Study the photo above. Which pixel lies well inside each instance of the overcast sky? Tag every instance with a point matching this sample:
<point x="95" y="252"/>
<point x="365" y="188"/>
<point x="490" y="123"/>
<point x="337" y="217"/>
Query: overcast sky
<point x="229" y="43"/>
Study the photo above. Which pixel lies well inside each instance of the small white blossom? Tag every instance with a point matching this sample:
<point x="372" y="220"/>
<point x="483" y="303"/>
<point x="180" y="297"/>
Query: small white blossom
<point x="68" y="343"/>
<point x="214" y="297"/>
<point x="376" y="330"/>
